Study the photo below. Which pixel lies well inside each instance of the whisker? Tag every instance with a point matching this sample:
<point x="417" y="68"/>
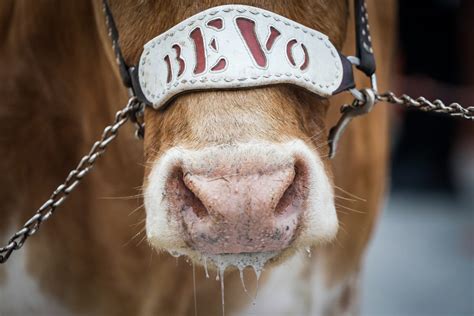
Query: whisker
<point x="343" y="229"/>
<point x="350" y="194"/>
<point x="129" y="197"/>
<point x="133" y="237"/>
<point x="142" y="240"/>
<point x="139" y="188"/>
<point x="139" y="223"/>
<point x="317" y="135"/>
<point x="136" y="209"/>
<point x="324" y="156"/>
<point x="345" y="198"/>
<point x="138" y="234"/>
<point x="343" y="212"/>
<point x="350" y="209"/>
<point x="146" y="165"/>
<point x="321" y="145"/>
<point x="338" y="242"/>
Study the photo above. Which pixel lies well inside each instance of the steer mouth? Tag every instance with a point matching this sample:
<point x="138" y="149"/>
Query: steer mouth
<point x="239" y="205"/>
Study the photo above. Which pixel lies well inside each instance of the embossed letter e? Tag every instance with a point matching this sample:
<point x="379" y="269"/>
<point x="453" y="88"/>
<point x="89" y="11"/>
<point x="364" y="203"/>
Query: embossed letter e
<point x="200" y="50"/>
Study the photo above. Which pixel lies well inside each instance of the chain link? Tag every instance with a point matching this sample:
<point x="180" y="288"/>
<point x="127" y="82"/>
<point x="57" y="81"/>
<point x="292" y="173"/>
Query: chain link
<point x="72" y="180"/>
<point x="421" y="103"/>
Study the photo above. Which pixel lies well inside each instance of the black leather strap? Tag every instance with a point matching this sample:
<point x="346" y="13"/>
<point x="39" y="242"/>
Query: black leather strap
<point x="364" y="49"/>
<point x="347" y="75"/>
<point x="114" y="36"/>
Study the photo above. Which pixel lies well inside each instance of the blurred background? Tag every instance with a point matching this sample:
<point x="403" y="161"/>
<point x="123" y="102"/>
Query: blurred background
<point x="422" y="259"/>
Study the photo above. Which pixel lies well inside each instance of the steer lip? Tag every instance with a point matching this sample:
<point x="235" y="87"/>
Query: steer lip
<point x="223" y="261"/>
<point x="233" y="261"/>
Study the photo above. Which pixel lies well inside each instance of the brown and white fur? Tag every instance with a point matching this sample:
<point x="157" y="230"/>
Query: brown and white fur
<point x="60" y="87"/>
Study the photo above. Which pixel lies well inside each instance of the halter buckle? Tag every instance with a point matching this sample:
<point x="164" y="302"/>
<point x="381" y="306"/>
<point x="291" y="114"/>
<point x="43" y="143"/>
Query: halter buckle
<point x="349" y="111"/>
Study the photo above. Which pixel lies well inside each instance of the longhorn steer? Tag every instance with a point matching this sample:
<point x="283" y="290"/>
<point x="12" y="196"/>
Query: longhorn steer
<point x="226" y="172"/>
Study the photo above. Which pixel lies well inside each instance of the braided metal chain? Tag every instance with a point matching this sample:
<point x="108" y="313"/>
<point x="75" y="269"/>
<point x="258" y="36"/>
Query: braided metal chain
<point x="72" y="180"/>
<point x="423" y="104"/>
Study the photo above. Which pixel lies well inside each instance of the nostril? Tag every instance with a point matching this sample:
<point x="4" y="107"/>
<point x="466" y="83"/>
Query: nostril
<point x="190" y="201"/>
<point x="287" y="198"/>
<point x="293" y="197"/>
<point x="195" y="204"/>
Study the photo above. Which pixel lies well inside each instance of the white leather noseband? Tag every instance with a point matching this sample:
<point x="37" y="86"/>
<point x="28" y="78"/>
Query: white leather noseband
<point x="236" y="46"/>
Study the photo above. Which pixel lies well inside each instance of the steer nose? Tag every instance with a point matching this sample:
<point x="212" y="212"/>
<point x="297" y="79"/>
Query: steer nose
<point x="239" y="212"/>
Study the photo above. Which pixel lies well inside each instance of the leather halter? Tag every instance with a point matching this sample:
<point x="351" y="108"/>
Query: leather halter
<point x="236" y="46"/>
<point x="364" y="61"/>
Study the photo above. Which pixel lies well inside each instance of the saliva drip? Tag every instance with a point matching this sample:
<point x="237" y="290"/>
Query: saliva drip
<point x="241" y="261"/>
<point x="194" y="290"/>
<point x="205" y="267"/>
<point x="221" y="272"/>
<point x="256" y="261"/>
<point x="176" y="255"/>
<point x="241" y="271"/>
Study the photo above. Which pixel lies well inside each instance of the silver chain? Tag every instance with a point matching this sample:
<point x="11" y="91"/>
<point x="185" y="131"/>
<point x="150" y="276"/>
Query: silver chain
<point x="423" y="104"/>
<point x="72" y="180"/>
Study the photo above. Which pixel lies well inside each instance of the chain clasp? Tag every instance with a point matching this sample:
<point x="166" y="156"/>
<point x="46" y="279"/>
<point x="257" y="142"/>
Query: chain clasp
<point x="360" y="106"/>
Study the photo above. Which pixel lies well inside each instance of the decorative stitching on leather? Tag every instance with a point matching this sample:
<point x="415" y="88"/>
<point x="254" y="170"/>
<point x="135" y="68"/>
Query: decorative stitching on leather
<point x="228" y="80"/>
<point x="227" y="10"/>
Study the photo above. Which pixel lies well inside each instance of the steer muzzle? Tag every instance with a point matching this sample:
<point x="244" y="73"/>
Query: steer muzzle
<point x="238" y="209"/>
<point x="239" y="199"/>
